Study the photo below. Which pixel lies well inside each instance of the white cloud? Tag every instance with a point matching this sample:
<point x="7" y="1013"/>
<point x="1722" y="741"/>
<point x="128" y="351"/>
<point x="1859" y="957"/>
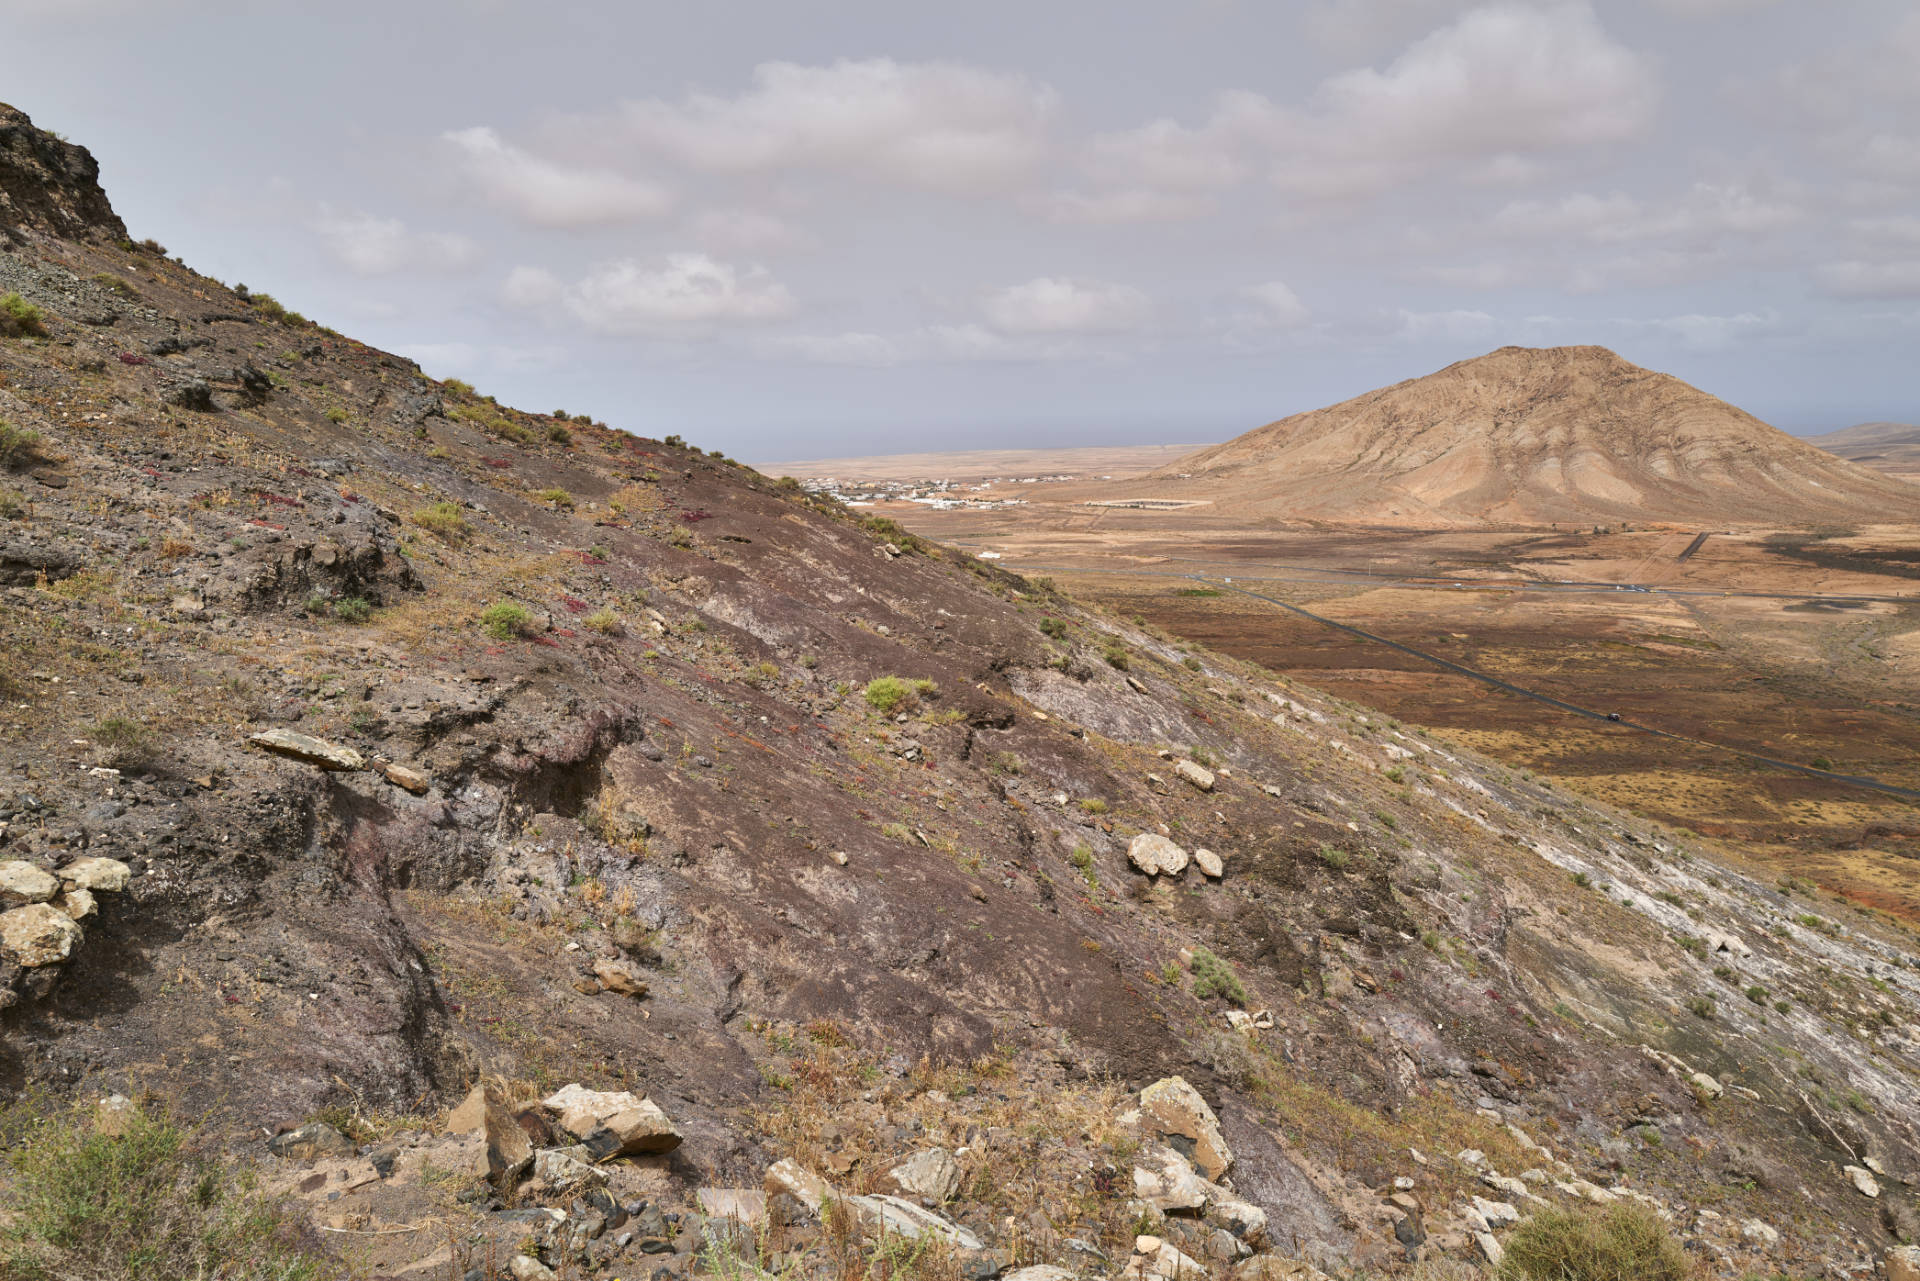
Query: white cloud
<point x="1278" y="306"/>
<point x="550" y="194"/>
<point x="747" y="231"/>
<point x="1903" y="229"/>
<point x="1050" y="305"/>
<point x="373" y="246"/>
<point x="1449" y="326"/>
<point x="1856" y="278"/>
<point x="1712" y="8"/>
<point x="531" y="287"/>
<point x="1716" y="333"/>
<point x="874" y="351"/>
<point x="684" y="295"/>
<point x="1132" y="204"/>
<point x="938" y="125"/>
<point x="1478" y="101"/>
<point x="1705" y="211"/>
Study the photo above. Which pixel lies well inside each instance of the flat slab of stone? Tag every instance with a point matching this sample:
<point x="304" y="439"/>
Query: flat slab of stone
<point x="1197" y="774"/>
<point x="21" y="882"/>
<point x="307" y="748"/>
<point x="96" y="875"/>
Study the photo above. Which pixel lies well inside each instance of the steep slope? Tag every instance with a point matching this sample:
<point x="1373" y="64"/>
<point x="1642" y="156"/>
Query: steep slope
<point x="1887" y="447"/>
<point x="601" y="789"/>
<point x="1533" y="436"/>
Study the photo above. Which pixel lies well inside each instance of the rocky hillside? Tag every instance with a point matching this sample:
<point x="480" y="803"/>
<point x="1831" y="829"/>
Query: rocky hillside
<point x="1524" y="436"/>
<point x="516" y="835"/>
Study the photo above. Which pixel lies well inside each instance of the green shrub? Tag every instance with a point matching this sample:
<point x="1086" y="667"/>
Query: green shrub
<point x="1094" y="805"/>
<point x="556" y="496"/>
<point x="13" y="504"/>
<point x="559" y="435"/>
<point x="20" y="318"/>
<point x="1702" y="1006"/>
<point x="1624" y="1243"/>
<point x="505" y="619"/>
<point x="1054" y="627"/>
<point x="443" y="520"/>
<point x="604" y="621"/>
<point x="143" y="1205"/>
<point x="455" y="387"/>
<point x="889" y="694"/>
<point x="1116" y="654"/>
<point x="1191" y="663"/>
<point x="336" y="415"/>
<point x="1214" y="977"/>
<point x="17" y="444"/>
<point x="353" y="609"/>
<point x="1335" y="857"/>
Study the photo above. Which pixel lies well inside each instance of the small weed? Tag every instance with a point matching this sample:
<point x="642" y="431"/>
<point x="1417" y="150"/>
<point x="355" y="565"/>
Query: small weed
<point x="444" y="521"/>
<point x="504" y="620"/>
<point x="336" y="415"/>
<point x="123" y="741"/>
<point x="1094" y="805"/>
<point x="603" y="621"/>
<point x="17" y="444"/>
<point x="557" y="498"/>
<point x="891" y="694"/>
<point x="1335" y="857"/>
<point x="1054" y="627"/>
<point x="1702" y="1006"/>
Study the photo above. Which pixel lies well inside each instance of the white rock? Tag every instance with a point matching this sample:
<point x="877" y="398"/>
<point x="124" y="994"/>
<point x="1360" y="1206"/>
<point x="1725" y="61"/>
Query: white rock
<point x="1209" y="864"/>
<point x="1863" y="1180"/>
<point x="77" y="904"/>
<point x="1490" y="1249"/>
<point x="1705" y="1086"/>
<point x="1173" y="1108"/>
<point x="1155" y="855"/>
<point x="904" y="1218"/>
<point x="932" y="1174"/>
<point x="1470" y="1156"/>
<point x="1760" y="1234"/>
<point x="1165" y="1180"/>
<point x="1496" y="1214"/>
<point x="1195" y="773"/>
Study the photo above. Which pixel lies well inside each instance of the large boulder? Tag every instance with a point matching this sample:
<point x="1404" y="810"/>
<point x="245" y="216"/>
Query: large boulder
<point x="38" y="935"/>
<point x="613" y="1122"/>
<point x="1155" y="855"/>
<point x="1174" y="1110"/>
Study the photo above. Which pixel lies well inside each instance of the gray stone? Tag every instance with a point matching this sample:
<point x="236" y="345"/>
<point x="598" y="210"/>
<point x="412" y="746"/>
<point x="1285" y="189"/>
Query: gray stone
<point x="932" y="1174"/>
<point x="311" y="1141"/>
<point x="22" y="882"/>
<point x="1196" y="774"/>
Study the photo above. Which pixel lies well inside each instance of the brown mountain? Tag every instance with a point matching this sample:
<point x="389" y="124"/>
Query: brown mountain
<point x="1887" y="447"/>
<point x="1535" y="436"/>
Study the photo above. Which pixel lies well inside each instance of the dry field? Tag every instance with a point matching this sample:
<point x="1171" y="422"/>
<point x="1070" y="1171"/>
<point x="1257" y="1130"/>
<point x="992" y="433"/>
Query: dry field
<point x="1740" y="644"/>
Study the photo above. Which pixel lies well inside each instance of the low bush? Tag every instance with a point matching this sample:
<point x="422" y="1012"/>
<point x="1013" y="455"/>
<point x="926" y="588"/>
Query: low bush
<point x="556" y="497"/>
<point x="1214" y="977"/>
<point x="122" y="742"/>
<point x="17" y="444"/>
<point x="13" y="505"/>
<point x="559" y="435"/>
<point x="444" y="521"/>
<point x="604" y="621"/>
<point x="1054" y="627"/>
<point x="1116" y="654"/>
<point x="1623" y="1243"/>
<point x="890" y="694"/>
<point x="143" y="1203"/>
<point x="353" y="609"/>
<point x="336" y="415"/>
<point x="505" y="619"/>
<point x="20" y="318"/>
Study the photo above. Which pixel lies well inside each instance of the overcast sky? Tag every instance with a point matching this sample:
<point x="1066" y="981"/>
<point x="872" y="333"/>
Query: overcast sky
<point x="798" y="230"/>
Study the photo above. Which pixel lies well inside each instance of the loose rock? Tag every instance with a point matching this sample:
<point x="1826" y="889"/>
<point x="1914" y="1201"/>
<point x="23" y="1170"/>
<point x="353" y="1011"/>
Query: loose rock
<point x="38" y="934"/>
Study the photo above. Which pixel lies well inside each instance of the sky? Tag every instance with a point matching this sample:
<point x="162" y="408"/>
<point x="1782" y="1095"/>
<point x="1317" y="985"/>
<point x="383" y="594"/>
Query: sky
<point x="802" y="230"/>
